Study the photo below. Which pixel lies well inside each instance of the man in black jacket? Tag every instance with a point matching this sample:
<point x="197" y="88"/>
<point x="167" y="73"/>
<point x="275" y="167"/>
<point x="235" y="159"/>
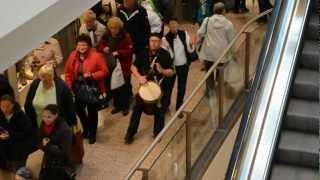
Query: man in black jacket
<point x="143" y="72"/>
<point x="136" y="23"/>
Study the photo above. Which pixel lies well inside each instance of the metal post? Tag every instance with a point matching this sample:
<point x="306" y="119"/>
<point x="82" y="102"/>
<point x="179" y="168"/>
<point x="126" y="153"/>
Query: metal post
<point x="188" y="147"/>
<point x="247" y="60"/>
<point x="220" y="94"/>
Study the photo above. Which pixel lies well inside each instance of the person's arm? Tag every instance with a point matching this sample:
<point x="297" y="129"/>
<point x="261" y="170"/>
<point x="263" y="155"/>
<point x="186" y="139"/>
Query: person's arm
<point x="165" y="45"/>
<point x="142" y="79"/>
<point x="102" y="70"/>
<point x="69" y="70"/>
<point x="166" y="65"/>
<point x="63" y="149"/>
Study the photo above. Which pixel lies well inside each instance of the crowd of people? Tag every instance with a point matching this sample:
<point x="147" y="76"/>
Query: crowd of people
<point x="110" y="49"/>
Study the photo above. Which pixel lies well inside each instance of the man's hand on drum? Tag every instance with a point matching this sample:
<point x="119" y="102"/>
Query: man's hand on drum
<point x="166" y="72"/>
<point x="142" y="80"/>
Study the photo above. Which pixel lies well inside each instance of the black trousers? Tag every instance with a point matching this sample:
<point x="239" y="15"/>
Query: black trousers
<point x="159" y="115"/>
<point x="264" y="5"/>
<point x="121" y="96"/>
<point x="182" y="76"/>
<point x="88" y="114"/>
<point x="210" y="83"/>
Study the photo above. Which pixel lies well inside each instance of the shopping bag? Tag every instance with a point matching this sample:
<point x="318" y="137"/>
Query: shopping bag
<point x="117" y="79"/>
<point x="77" y="145"/>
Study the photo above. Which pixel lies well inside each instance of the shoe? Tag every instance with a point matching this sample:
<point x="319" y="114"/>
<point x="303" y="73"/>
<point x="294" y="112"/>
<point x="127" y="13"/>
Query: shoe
<point x="129" y="139"/>
<point x="85" y="135"/>
<point x="115" y="111"/>
<point x="180" y="115"/>
<point x="125" y="112"/>
<point x="92" y="140"/>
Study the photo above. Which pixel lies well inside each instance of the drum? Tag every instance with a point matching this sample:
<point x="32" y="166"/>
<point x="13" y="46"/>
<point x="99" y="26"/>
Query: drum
<point x="150" y="93"/>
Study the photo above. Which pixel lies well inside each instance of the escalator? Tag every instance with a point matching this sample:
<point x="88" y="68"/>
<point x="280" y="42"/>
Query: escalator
<point x="297" y="155"/>
<point x="278" y="136"/>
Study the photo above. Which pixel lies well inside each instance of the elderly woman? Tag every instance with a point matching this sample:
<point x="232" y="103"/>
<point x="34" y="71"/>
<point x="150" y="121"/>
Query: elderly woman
<point x="16" y="135"/>
<point x="85" y="66"/>
<point x="55" y="141"/>
<point x="48" y="89"/>
<point x="117" y="43"/>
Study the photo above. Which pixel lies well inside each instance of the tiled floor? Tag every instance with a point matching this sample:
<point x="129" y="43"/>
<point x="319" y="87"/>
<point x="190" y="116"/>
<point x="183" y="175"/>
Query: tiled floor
<point x="110" y="158"/>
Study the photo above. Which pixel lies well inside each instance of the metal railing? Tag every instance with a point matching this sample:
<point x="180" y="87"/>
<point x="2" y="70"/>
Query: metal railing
<point x="184" y="127"/>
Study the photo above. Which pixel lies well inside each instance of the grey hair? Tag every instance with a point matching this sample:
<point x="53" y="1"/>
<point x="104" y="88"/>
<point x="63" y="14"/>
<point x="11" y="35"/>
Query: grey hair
<point x="219" y="7"/>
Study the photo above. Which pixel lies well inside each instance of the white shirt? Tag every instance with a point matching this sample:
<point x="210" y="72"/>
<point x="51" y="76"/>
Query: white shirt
<point x="179" y="55"/>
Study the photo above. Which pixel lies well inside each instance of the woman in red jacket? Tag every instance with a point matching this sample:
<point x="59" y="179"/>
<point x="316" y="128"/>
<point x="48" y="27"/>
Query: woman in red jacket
<point x="117" y="44"/>
<point x="85" y="64"/>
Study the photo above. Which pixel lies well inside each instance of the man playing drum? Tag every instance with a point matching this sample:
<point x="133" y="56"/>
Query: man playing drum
<point x="152" y="64"/>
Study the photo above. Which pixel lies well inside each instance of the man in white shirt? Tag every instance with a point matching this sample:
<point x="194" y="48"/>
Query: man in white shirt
<point x="178" y="43"/>
<point x="91" y="27"/>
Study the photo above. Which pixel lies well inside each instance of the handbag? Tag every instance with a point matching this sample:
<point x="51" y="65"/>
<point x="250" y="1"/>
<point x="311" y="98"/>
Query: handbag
<point x="86" y="90"/>
<point x="77" y="145"/>
<point x="117" y="79"/>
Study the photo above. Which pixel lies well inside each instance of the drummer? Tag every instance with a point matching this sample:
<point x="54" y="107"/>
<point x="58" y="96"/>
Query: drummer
<point x="162" y="71"/>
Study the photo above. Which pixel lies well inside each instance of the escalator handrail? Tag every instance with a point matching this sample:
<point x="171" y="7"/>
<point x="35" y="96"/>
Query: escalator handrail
<point x="193" y="93"/>
<point x="264" y="65"/>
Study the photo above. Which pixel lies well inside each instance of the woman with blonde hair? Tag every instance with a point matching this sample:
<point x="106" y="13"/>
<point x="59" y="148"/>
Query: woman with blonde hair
<point x="49" y="89"/>
<point x="116" y="44"/>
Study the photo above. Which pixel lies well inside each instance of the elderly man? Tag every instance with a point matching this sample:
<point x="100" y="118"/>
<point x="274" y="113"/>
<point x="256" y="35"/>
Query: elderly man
<point x="217" y="32"/>
<point x="91" y="27"/>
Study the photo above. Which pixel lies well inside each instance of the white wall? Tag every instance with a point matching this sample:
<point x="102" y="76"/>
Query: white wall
<point x="25" y="24"/>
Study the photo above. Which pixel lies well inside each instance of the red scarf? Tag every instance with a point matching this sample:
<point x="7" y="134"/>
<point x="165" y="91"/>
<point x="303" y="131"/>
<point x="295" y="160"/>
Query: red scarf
<point x="48" y="129"/>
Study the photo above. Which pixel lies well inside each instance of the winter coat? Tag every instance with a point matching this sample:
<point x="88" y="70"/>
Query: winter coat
<point x="22" y="137"/>
<point x="94" y="63"/>
<point x="125" y="50"/>
<point x="57" y="153"/>
<point x="137" y="25"/>
<point x="217" y="32"/>
<point x="64" y="101"/>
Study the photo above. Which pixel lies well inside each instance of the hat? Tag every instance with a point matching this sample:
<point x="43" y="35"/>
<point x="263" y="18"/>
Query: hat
<point x="24" y="173"/>
<point x="218" y="6"/>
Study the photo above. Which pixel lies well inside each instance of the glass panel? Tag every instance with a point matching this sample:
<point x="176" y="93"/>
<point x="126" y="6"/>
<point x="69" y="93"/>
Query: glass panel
<point x="203" y="122"/>
<point x="171" y="164"/>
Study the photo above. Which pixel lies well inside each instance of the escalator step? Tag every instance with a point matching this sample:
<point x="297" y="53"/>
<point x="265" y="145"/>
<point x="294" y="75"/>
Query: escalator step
<point x="298" y="149"/>
<point x="310" y="58"/>
<point x="313" y="27"/>
<point x="306" y="85"/>
<point x="303" y="116"/>
<point x="282" y="172"/>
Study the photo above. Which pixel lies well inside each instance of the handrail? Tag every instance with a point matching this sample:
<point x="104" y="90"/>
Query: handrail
<point x="262" y="117"/>
<point x="196" y="89"/>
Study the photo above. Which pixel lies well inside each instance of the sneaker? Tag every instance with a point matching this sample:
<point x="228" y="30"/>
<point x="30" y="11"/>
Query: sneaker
<point x="115" y="111"/>
<point x="129" y="139"/>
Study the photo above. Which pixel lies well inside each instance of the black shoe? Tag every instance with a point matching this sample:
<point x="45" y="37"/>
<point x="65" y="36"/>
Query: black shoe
<point x="115" y="111"/>
<point x="125" y="112"/>
<point x="92" y="140"/>
<point x="129" y="139"/>
<point x="85" y="135"/>
<point x="180" y="115"/>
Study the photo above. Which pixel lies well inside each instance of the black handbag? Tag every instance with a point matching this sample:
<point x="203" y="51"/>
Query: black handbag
<point x="86" y="90"/>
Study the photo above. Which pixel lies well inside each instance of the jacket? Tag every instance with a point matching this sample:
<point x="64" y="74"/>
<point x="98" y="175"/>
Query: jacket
<point x="217" y="32"/>
<point x="125" y="50"/>
<point x="64" y="102"/>
<point x="57" y="153"/>
<point x="100" y="29"/>
<point x="22" y="137"/>
<point x="137" y="25"/>
<point x="185" y="41"/>
<point x="94" y="63"/>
